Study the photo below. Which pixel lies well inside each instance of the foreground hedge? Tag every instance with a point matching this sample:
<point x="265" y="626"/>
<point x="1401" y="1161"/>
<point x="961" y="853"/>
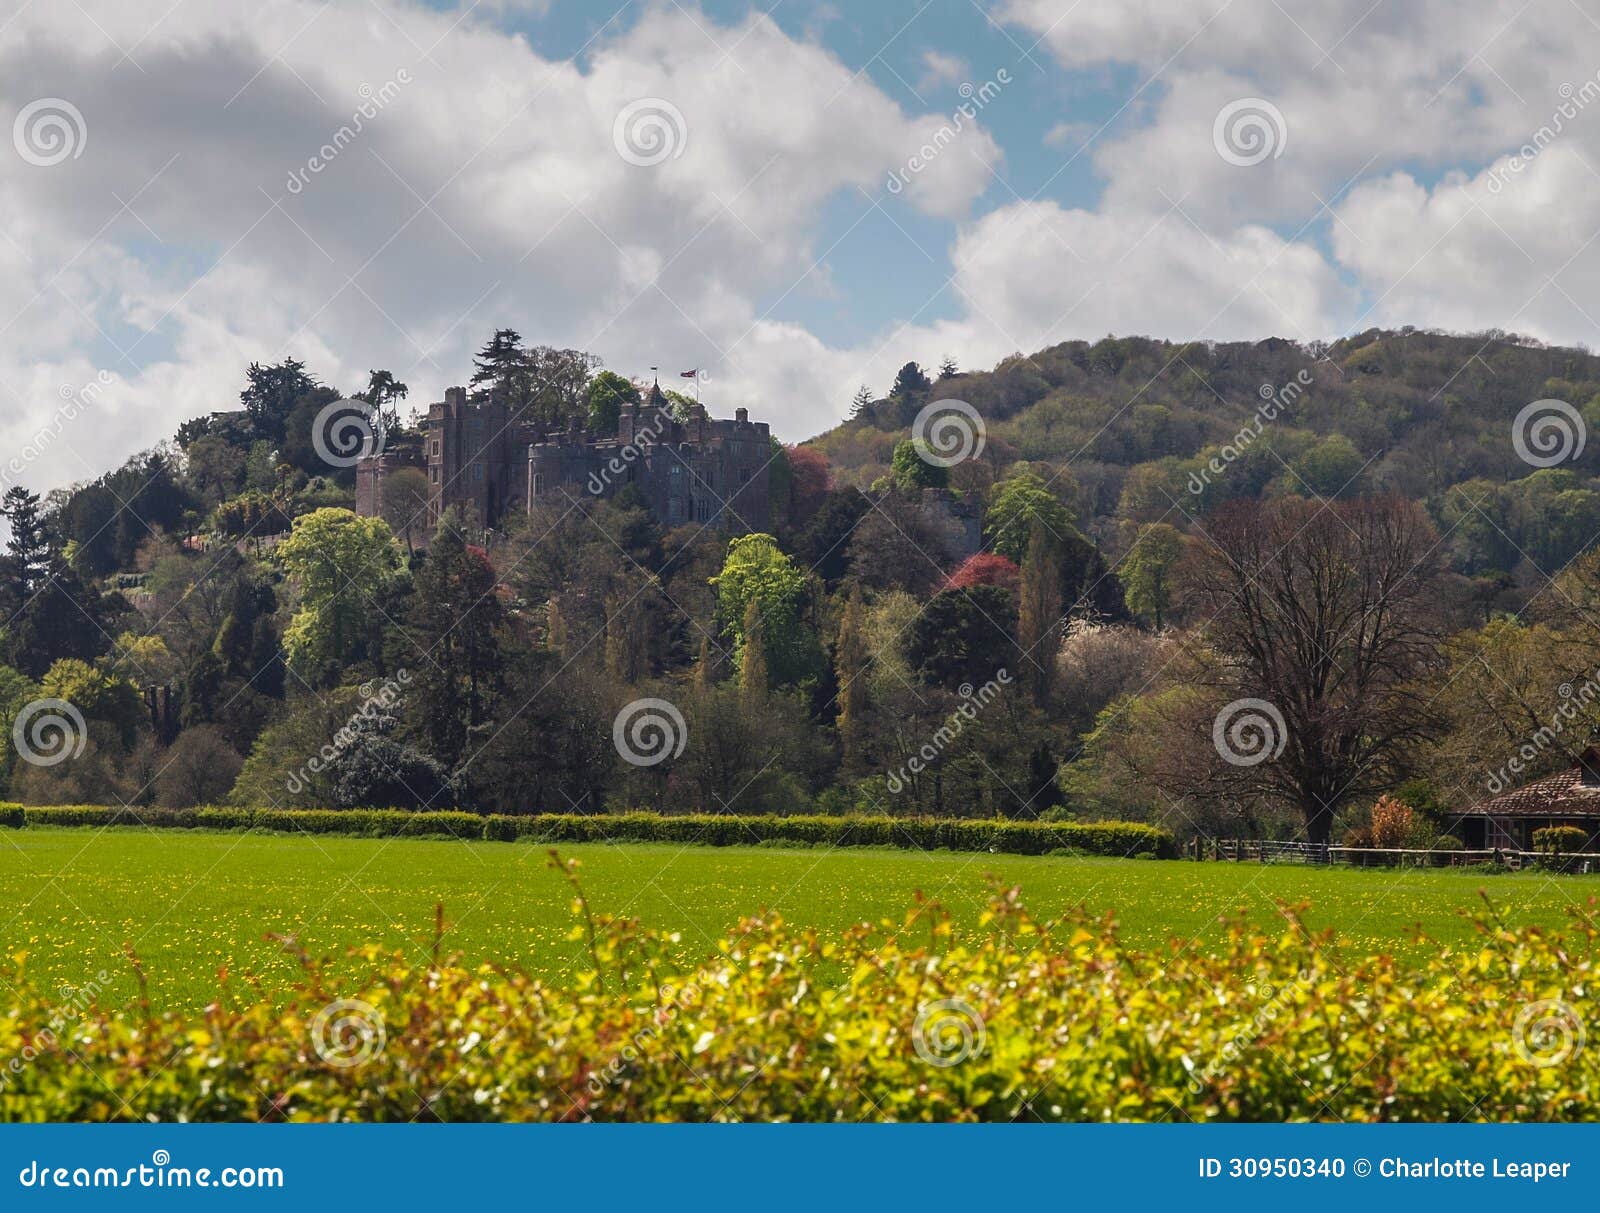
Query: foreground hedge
<point x="915" y="1021"/>
<point x="924" y="833"/>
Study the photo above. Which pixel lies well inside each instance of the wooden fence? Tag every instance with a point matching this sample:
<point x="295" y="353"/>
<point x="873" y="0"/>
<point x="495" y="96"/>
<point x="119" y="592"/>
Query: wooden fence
<point x="1260" y="850"/>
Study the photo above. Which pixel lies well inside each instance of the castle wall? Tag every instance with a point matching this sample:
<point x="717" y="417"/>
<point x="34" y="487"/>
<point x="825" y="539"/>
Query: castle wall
<point x="697" y="471"/>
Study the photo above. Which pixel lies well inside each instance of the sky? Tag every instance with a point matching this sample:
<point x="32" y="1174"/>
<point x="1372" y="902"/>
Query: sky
<point x="794" y="197"/>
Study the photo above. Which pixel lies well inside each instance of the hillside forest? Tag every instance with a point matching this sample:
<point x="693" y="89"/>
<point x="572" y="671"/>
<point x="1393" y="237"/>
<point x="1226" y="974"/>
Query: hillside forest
<point x="1236" y="589"/>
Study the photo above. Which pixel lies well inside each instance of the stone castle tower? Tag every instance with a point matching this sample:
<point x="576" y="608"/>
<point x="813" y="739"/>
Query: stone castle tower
<point x="488" y="462"/>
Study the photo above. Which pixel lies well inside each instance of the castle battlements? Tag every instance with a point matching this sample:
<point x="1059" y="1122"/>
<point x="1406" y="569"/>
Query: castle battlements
<point x="686" y="467"/>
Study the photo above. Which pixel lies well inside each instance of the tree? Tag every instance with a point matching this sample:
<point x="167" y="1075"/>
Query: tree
<point x="377" y="770"/>
<point x="1328" y="469"/>
<point x="550" y="747"/>
<point x="405" y="503"/>
<point x="215" y="467"/>
<point x="1039" y="612"/>
<point x="1328" y="614"/>
<point x="910" y="383"/>
<point x="198" y="768"/>
<point x="753" y="677"/>
<point x="850" y="662"/>
<point x="810" y="478"/>
<point x="1019" y="501"/>
<point x="963" y="637"/>
<point x="253" y="515"/>
<point x="452" y="625"/>
<point x="898" y="545"/>
<point x="501" y="362"/>
<point x="911" y="473"/>
<point x="97" y="693"/>
<point x="757" y="571"/>
<point x="860" y="403"/>
<point x="824" y="545"/>
<point x="49" y="613"/>
<point x="382" y="392"/>
<point x="947" y="368"/>
<point x="985" y="568"/>
<point x="1146" y="572"/>
<point x="271" y="394"/>
<point x="608" y="393"/>
<point x="341" y="564"/>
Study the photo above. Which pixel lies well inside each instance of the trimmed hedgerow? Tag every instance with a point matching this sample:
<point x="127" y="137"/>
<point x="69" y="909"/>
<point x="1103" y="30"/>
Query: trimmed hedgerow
<point x="909" y="1019"/>
<point x="1122" y="838"/>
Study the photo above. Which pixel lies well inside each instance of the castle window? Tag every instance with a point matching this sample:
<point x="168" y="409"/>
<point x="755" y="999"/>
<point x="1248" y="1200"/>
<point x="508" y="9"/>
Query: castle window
<point x="433" y="475"/>
<point x="435" y="451"/>
<point x="538" y="483"/>
<point x="702" y="509"/>
<point x="675" y="510"/>
<point x="477" y="471"/>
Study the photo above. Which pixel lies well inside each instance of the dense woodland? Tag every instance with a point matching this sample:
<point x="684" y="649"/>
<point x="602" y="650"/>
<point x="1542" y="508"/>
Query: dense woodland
<point x="1417" y="603"/>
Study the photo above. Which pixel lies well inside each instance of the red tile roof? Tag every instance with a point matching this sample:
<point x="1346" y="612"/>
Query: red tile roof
<point x="1574" y="792"/>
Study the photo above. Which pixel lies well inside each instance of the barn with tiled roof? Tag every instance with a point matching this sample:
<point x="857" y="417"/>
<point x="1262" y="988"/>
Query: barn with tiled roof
<point x="1567" y="798"/>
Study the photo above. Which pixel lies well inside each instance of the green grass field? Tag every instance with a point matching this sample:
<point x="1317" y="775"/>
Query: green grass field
<point x="190" y="903"/>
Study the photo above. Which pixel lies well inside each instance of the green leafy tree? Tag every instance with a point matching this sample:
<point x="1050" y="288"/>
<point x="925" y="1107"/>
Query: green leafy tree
<point x="1147" y="570"/>
<point x="1019" y="501"/>
<point x="608" y="393"/>
<point x="757" y="571"/>
<point x="910" y="472"/>
<point x="98" y="693"/>
<point x="341" y="565"/>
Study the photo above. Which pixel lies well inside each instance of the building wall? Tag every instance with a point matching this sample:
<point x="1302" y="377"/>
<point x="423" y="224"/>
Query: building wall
<point x="707" y="471"/>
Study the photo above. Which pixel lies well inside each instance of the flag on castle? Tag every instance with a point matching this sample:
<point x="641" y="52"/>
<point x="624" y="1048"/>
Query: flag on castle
<point x="694" y="374"/>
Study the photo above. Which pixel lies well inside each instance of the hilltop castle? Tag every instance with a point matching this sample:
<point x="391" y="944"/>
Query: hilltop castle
<point x="487" y="461"/>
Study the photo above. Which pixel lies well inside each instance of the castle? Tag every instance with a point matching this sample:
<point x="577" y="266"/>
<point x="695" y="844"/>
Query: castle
<point x="488" y="461"/>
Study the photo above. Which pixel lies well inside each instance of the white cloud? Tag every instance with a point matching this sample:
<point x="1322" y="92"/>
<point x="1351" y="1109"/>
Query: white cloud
<point x="939" y="68"/>
<point x="486" y="191"/>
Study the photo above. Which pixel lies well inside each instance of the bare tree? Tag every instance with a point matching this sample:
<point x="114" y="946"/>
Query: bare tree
<point x="1318" y="619"/>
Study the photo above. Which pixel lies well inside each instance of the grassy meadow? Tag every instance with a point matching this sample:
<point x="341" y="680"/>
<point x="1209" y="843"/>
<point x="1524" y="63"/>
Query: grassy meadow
<point x="191" y="903"/>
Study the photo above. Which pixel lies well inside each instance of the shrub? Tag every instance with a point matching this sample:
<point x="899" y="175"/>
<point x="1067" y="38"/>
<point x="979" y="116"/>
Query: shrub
<point x="1018" y="1020"/>
<point x="1357" y="836"/>
<point x="1114" y="838"/>
<point x="1393" y="823"/>
<point x="1560" y="840"/>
